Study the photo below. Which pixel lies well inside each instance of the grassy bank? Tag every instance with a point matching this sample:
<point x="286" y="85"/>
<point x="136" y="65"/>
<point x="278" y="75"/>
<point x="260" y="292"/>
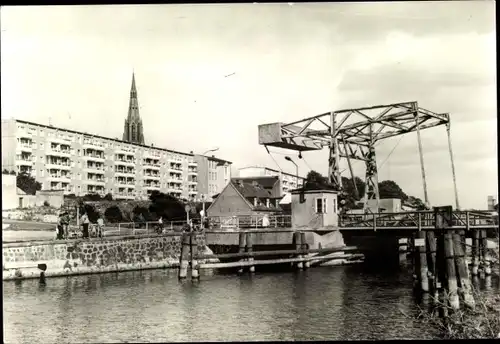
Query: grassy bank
<point x="483" y="322"/>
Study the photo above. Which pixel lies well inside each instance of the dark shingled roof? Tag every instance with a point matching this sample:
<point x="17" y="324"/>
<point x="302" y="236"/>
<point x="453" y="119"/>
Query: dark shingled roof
<point x="265" y="181"/>
<point x="250" y="191"/>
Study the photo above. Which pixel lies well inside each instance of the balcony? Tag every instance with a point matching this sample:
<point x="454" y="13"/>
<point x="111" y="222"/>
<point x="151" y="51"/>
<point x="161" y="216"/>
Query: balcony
<point x="66" y="153"/>
<point x="24" y="162"/>
<point x="151" y="176"/>
<point x="174" y="161"/>
<point x="124" y="195"/>
<point x="175" y="190"/>
<point x="125" y="162"/>
<point x="152" y="186"/>
<point x="94" y="169"/>
<point x="152" y="166"/>
<point x="192" y="163"/>
<point x="94" y="157"/>
<point x="174" y="180"/>
<point x="175" y="170"/>
<point x="95" y="181"/>
<point x="192" y="182"/>
<point x="58" y="165"/>
<point x="59" y="178"/>
<point x="192" y="173"/>
<point x="59" y="140"/>
<point x="193" y="192"/>
<point x="24" y="135"/>
<point x="93" y="145"/>
<point x="28" y="148"/>
<point x="124" y="173"/>
<point x="151" y="155"/>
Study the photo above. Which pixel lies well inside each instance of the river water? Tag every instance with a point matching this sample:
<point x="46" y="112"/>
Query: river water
<point x="330" y="303"/>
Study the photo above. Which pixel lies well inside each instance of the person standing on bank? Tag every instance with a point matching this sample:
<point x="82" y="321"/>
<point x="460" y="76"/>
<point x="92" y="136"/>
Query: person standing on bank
<point x="100" y="226"/>
<point x="60" y="228"/>
<point x="85" y="224"/>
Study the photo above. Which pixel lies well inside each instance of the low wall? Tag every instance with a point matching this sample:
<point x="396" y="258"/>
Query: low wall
<point x="73" y="257"/>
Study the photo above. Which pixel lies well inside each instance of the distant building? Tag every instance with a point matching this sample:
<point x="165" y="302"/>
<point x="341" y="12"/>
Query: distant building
<point x="244" y="199"/>
<point x="492" y="201"/>
<point x="288" y="181"/>
<point x="213" y="175"/>
<point x="133" y="131"/>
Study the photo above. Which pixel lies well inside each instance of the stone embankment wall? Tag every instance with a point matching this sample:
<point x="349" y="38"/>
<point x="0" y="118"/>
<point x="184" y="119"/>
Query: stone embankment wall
<point x="73" y="257"/>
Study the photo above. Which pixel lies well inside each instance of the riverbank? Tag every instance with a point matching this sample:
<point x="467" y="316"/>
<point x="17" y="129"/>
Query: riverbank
<point x="21" y="260"/>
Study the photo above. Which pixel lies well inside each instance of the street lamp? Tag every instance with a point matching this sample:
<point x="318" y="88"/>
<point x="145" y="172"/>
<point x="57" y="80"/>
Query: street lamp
<point x="296" y="170"/>
<point x="211" y="150"/>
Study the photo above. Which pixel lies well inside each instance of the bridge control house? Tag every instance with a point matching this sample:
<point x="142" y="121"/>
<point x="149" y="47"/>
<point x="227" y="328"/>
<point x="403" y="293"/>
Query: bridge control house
<point x="314" y="209"/>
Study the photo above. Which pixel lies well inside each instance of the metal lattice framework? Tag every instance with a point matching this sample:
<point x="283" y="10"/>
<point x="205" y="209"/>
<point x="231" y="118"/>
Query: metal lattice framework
<point x="352" y="134"/>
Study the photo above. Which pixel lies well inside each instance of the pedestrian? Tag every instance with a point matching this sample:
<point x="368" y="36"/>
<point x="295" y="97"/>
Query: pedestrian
<point x="65" y="223"/>
<point x="100" y="226"/>
<point x="85" y="224"/>
<point x="60" y="228"/>
<point x="160" y="224"/>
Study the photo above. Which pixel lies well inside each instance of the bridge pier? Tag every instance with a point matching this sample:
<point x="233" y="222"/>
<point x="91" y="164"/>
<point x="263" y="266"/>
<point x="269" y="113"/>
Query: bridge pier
<point x="378" y="249"/>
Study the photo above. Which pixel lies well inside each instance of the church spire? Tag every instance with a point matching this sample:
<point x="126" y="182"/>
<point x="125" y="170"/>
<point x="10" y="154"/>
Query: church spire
<point x="133" y="124"/>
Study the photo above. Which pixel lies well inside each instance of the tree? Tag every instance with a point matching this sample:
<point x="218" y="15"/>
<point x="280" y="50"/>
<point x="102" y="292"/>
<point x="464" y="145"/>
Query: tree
<point x="315" y="181"/>
<point x="108" y="197"/>
<point x="390" y="189"/>
<point x="92" y="197"/>
<point x="27" y="183"/>
<point x="166" y="206"/>
<point x="350" y="191"/>
<point x="113" y="214"/>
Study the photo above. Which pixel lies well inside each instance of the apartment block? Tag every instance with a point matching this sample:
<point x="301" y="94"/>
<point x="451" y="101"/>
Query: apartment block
<point x="81" y="163"/>
<point x="213" y="175"/>
<point x="288" y="181"/>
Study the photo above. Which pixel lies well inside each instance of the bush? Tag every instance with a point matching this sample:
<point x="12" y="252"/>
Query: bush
<point x="142" y="214"/>
<point x="91" y="212"/>
<point x="113" y="214"/>
<point x="108" y="197"/>
<point x="46" y="204"/>
<point x="166" y="206"/>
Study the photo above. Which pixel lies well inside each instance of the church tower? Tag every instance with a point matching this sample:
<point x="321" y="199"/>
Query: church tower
<point x="133" y="124"/>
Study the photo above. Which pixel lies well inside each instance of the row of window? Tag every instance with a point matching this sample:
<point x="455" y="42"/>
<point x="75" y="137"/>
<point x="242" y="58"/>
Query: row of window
<point x="321" y="205"/>
<point x="32" y="130"/>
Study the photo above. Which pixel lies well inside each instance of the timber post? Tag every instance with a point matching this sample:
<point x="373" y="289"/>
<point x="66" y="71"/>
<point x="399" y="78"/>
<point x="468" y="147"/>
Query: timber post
<point x="485" y="254"/>
<point x="422" y="260"/>
<point x="441" y="275"/>
<point x="184" y="258"/>
<point x="305" y="248"/>
<point x="431" y="259"/>
<point x="450" y="271"/>
<point x="298" y="247"/>
<point x="242" y="244"/>
<point x="195" y="272"/>
<point x="475" y="252"/>
<point x="462" y="271"/>
<point x="249" y="248"/>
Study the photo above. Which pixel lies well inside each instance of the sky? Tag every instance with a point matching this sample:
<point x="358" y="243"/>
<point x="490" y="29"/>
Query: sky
<point x="72" y="66"/>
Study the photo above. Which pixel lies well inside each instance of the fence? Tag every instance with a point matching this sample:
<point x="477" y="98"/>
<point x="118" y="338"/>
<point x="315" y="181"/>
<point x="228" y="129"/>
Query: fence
<point x="145" y="227"/>
<point x="417" y="219"/>
<point x="250" y="221"/>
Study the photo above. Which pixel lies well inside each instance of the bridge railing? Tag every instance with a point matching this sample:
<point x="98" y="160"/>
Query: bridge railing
<point x="250" y="221"/>
<point x="416" y="219"/>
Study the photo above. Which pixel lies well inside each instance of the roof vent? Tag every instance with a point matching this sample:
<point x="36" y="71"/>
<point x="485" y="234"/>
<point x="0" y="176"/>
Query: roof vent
<point x="213" y="156"/>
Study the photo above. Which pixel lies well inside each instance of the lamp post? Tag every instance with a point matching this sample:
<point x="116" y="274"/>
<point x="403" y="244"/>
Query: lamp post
<point x="211" y="150"/>
<point x="296" y="170"/>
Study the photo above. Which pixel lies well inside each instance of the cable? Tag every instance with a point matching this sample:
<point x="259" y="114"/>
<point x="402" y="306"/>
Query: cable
<point x="392" y="151"/>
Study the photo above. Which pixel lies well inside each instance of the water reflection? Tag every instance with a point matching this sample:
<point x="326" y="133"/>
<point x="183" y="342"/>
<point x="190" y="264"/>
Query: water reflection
<point x="333" y="303"/>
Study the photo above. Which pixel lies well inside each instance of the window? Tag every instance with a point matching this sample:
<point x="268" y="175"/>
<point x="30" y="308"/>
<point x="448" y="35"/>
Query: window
<point x="321" y="205"/>
<point x="334" y="206"/>
<point x="267" y="202"/>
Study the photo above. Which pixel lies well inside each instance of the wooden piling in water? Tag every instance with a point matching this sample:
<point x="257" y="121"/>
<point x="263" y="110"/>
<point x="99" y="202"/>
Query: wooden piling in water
<point x="475" y="252"/>
<point x="422" y="259"/>
<point x="298" y="247"/>
<point x="305" y="248"/>
<point x="485" y="261"/>
<point x="441" y="294"/>
<point x="184" y="257"/>
<point x="451" y="277"/>
<point x="431" y="259"/>
<point x="195" y="271"/>
<point x="462" y="271"/>
<point x="415" y="260"/>
<point x="249" y="248"/>
<point x="241" y="244"/>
